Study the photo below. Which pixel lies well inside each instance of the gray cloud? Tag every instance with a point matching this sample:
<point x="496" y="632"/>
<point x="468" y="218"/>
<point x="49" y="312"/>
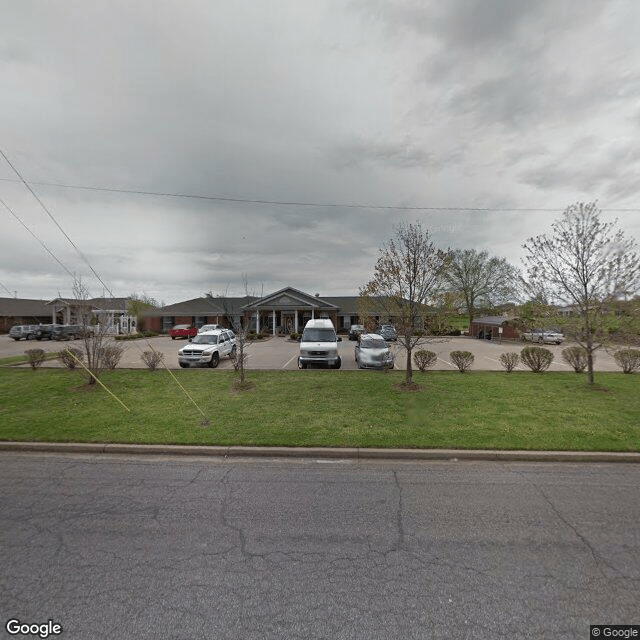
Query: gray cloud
<point x="406" y="103"/>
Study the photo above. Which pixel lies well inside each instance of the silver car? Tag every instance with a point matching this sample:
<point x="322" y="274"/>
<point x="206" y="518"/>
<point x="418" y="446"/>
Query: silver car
<point x="372" y="352"/>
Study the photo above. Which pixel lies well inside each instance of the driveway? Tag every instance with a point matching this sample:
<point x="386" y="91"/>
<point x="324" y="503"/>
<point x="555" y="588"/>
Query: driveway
<point x="281" y="353"/>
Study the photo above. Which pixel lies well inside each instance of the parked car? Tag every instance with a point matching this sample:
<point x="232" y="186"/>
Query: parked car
<point x="355" y="331"/>
<point x="67" y="331"/>
<point x="372" y="352"/>
<point x="543" y="336"/>
<point x="26" y="331"/>
<point x="183" y="331"/>
<point x="45" y="332"/>
<point x="319" y="345"/>
<point x="388" y="332"/>
<point x="208" y="327"/>
<point x="206" y="349"/>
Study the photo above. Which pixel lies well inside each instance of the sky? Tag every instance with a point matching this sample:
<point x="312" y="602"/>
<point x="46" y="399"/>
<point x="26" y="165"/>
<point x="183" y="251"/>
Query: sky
<point x="137" y="137"/>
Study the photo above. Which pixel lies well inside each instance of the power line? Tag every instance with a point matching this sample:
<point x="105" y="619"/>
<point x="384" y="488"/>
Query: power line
<point x="64" y="233"/>
<point x="44" y="246"/>
<point x="286" y="203"/>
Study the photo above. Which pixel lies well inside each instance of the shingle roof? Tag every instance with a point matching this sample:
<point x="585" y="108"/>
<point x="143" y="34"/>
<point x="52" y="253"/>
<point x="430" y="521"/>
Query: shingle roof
<point x="494" y="320"/>
<point x="12" y="307"/>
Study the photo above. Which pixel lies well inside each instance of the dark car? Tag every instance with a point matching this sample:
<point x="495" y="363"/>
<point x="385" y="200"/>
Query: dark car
<point x="44" y="331"/>
<point x="23" y="331"/>
<point x="355" y="331"/>
<point x="183" y="331"/>
<point x="66" y="331"/>
<point x="388" y="332"/>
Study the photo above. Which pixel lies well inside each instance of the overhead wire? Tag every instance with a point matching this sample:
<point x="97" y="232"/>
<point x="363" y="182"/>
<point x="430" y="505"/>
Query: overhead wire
<point x="53" y="219"/>
<point x="73" y="276"/>
<point x="294" y="203"/>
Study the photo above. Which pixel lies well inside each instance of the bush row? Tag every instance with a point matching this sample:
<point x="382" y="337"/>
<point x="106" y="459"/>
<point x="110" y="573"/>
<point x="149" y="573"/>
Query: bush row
<point x="538" y="359"/>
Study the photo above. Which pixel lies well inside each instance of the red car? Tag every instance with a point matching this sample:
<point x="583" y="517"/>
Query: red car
<point x="183" y="331"/>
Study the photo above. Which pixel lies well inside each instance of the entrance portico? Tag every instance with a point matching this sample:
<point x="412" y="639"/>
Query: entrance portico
<point x="289" y="310"/>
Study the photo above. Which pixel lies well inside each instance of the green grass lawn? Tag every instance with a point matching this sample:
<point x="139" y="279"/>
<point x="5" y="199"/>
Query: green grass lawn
<point x="482" y="409"/>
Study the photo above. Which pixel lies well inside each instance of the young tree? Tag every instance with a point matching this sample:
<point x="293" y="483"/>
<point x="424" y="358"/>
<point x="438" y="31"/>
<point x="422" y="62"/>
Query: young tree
<point x="240" y="328"/>
<point x="137" y="305"/>
<point x="587" y="264"/>
<point x="481" y="280"/>
<point x="94" y="331"/>
<point x="407" y="276"/>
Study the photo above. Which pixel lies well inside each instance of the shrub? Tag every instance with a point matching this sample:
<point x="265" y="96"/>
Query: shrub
<point x="36" y="357"/>
<point x="70" y="356"/>
<point x="424" y="359"/>
<point x="537" y="359"/>
<point x="576" y="357"/>
<point x="462" y="359"/>
<point x="294" y="336"/>
<point x="111" y="355"/>
<point x="628" y="359"/>
<point x="152" y="359"/>
<point x="509" y="361"/>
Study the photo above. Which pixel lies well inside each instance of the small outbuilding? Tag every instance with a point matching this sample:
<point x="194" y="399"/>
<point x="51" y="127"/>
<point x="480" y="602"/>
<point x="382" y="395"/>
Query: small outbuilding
<point x="494" y="328"/>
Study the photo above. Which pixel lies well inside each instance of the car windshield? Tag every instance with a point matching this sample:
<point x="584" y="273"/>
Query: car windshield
<point x="319" y="335"/>
<point x="202" y="339"/>
<point x="373" y="343"/>
<point x="181" y="326"/>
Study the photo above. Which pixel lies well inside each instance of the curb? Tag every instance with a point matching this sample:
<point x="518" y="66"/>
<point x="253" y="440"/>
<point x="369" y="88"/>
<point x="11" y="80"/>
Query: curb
<point x="321" y="452"/>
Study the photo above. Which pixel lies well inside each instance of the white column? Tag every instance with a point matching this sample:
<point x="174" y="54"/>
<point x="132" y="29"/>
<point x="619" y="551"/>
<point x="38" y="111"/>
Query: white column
<point x="295" y="320"/>
<point x="273" y="321"/>
<point x="313" y="317"/>
<point x="257" y="321"/>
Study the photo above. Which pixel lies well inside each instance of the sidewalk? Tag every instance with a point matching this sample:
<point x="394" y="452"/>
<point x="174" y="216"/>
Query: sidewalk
<point x="322" y="453"/>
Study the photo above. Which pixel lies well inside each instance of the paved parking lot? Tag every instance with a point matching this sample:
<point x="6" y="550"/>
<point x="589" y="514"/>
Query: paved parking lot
<point x="282" y="354"/>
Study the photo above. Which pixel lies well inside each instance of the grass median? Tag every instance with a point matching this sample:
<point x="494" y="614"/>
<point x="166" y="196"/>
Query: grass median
<point x="477" y="410"/>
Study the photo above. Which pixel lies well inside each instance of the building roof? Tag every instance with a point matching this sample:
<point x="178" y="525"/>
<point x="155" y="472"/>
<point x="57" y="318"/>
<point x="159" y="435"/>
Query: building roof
<point x="104" y="304"/>
<point x="14" y="307"/>
<point x="204" y="306"/>
<point x="491" y="320"/>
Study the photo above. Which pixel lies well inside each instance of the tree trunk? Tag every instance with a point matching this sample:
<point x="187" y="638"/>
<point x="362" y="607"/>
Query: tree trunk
<point x="590" y="366"/>
<point x="409" y="376"/>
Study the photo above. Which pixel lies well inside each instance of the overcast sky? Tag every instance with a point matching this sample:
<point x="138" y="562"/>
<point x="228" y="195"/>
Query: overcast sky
<point x="498" y="104"/>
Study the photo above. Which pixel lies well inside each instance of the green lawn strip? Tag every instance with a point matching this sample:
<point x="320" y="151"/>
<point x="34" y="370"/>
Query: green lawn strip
<point x="476" y="410"/>
<point x="9" y="360"/>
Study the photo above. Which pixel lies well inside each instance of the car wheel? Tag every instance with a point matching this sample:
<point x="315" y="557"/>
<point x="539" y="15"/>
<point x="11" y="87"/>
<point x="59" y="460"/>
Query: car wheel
<point x="17" y="339"/>
<point x="234" y="350"/>
<point x="184" y="365"/>
<point x="173" y="337"/>
<point x="337" y="364"/>
<point x="301" y="365"/>
<point x="215" y="359"/>
<point x="30" y="336"/>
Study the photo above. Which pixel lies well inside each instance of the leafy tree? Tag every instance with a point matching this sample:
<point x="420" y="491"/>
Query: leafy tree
<point x="481" y="280"/>
<point x="587" y="264"/>
<point x="137" y="305"/>
<point x="407" y="275"/>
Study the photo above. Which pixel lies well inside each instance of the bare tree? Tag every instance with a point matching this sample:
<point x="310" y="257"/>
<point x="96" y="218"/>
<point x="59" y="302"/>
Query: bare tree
<point x="95" y="327"/>
<point x="407" y="276"/>
<point x="588" y="265"/>
<point x="240" y="327"/>
<point x="481" y="280"/>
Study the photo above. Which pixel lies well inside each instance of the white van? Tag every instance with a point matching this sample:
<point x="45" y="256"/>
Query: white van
<point x="319" y="345"/>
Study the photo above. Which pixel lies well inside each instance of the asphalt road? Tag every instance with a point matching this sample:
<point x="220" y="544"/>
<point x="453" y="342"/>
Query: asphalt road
<point x="125" y="547"/>
<point x="280" y="353"/>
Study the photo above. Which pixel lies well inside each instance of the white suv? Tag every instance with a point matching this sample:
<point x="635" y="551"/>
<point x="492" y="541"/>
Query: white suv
<point x="207" y="348"/>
